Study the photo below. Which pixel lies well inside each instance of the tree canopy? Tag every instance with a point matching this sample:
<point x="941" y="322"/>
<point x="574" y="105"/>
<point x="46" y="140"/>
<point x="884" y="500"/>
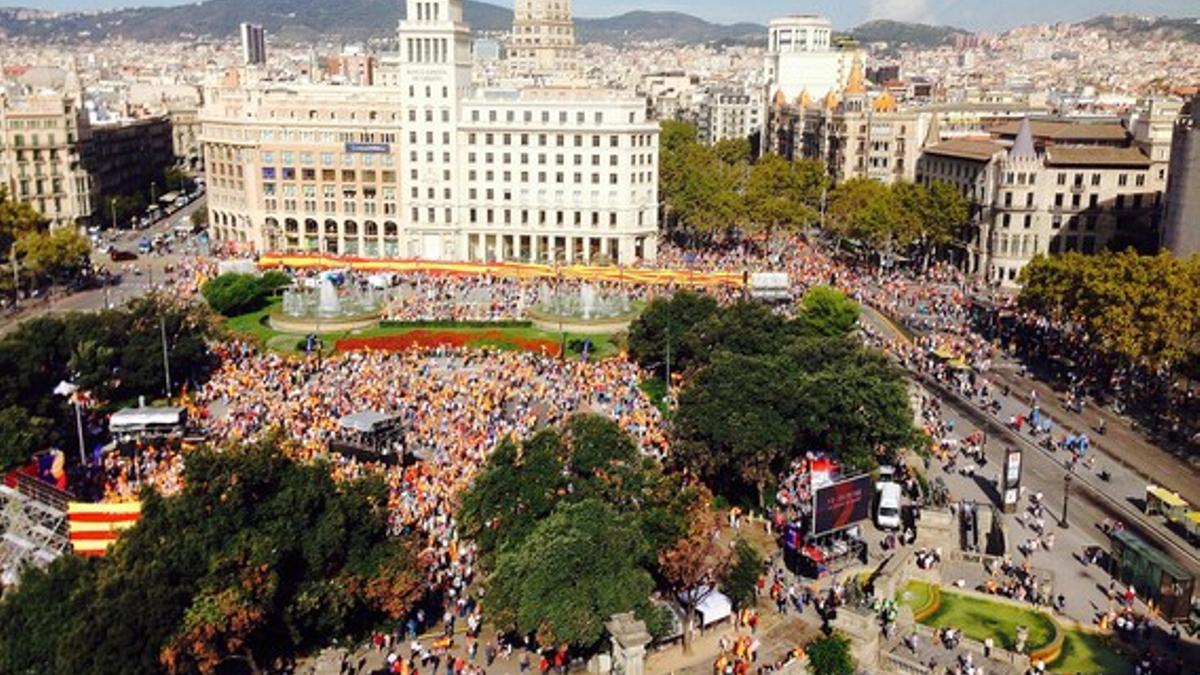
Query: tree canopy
<point x="52" y="254"/>
<point x="889" y="220"/>
<point x="767" y="390"/>
<point x="115" y="355"/>
<point x="16" y="219"/>
<point x="714" y="190"/>
<point x="258" y="559"/>
<point x="569" y="523"/>
<point x="830" y="655"/>
<point x="1142" y="309"/>
<point x="233" y="293"/>
<point x="669" y="320"/>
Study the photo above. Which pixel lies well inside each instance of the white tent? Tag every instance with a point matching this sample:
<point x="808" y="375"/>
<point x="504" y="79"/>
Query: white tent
<point x="714" y="607"/>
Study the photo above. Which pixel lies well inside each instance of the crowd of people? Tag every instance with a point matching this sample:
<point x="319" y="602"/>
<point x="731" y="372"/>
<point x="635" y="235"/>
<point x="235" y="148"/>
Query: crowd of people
<point x="456" y="405"/>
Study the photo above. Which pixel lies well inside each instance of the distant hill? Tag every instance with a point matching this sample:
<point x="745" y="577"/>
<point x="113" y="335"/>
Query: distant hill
<point x="902" y="33"/>
<point x="303" y="20"/>
<point x="1148" y="29"/>
<point x="647" y="26"/>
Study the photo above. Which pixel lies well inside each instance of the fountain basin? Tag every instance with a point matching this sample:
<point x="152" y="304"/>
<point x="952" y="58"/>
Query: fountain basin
<point x="303" y="325"/>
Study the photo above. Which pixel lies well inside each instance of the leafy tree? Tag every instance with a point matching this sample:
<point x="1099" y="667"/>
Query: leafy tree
<point x="575" y="570"/>
<point x="177" y="179"/>
<point x="519" y="487"/>
<point x="199" y="218"/>
<point x="734" y="426"/>
<point x="1142" y="309"/>
<point x="827" y="312"/>
<point x="16" y="219"/>
<point x="883" y="218"/>
<point x="853" y="405"/>
<point x="233" y="293"/>
<point x="591" y="458"/>
<point x="114" y="355"/>
<point x="257" y="560"/>
<point x="780" y="193"/>
<point x="830" y="655"/>
<point x="53" y="254"/>
<point x="20" y="436"/>
<point x="733" y="151"/>
<point x="667" y="321"/>
<point x="692" y="566"/>
<point x="119" y="209"/>
<point x="945" y="213"/>
<point x="740" y="578"/>
<point x="745" y="327"/>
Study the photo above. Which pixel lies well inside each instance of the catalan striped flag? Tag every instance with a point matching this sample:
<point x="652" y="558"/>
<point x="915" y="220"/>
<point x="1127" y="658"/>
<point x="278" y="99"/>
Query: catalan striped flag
<point x="93" y="527"/>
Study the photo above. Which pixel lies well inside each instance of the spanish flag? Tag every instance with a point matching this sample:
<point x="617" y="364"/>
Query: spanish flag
<point x="94" y="526"/>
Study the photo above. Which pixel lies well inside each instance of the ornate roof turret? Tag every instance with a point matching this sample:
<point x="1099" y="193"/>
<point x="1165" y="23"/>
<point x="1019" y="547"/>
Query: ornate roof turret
<point x="856" y="86"/>
<point x="1023" y="147"/>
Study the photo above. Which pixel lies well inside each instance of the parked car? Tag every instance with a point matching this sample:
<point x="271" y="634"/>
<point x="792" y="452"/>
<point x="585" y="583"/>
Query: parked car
<point x="117" y="255"/>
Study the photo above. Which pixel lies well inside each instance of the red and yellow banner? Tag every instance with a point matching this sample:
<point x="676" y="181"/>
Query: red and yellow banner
<point x="505" y="269"/>
<point x="93" y="527"/>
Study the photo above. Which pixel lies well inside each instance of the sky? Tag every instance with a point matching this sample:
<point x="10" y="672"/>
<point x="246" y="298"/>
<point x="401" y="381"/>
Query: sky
<point x="972" y="14"/>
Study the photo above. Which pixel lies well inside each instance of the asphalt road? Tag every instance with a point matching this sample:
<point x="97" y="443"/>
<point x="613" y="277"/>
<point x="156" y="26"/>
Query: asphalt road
<point x="1091" y="500"/>
<point x="137" y="277"/>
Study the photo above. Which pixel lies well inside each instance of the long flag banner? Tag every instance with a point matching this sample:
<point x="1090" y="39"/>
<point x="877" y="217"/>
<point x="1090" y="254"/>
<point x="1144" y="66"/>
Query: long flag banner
<point x="514" y="270"/>
<point x="93" y="527"/>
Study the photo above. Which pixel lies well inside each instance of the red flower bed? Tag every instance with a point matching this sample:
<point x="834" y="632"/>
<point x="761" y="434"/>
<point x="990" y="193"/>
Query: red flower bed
<point x="431" y="339"/>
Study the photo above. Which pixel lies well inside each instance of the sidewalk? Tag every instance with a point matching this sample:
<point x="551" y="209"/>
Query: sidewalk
<point x="1120" y="442"/>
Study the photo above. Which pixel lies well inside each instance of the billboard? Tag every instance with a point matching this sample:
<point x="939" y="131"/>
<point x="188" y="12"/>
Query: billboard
<point x="369" y="148"/>
<point x="842" y="504"/>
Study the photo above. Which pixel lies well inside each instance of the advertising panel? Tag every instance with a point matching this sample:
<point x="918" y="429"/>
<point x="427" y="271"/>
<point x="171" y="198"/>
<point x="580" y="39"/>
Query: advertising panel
<point x="842" y="504"/>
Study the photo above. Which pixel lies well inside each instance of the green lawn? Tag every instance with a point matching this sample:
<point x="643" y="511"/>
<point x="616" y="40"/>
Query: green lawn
<point x="1087" y="653"/>
<point x="655" y="389"/>
<point x="254" y="325"/>
<point x="915" y="595"/>
<point x="981" y="619"/>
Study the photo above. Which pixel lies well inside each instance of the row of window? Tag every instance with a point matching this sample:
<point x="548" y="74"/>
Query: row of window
<point x="543" y="140"/>
<point x="271" y="173"/>
<point x="33" y="124"/>
<point x="560" y="177"/>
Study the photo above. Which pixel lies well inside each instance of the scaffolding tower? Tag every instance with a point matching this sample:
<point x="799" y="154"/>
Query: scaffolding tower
<point x="33" y="523"/>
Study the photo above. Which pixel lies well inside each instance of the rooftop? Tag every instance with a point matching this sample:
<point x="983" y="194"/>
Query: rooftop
<point x="1096" y="156"/>
<point x="979" y="151"/>
<point x="1065" y="131"/>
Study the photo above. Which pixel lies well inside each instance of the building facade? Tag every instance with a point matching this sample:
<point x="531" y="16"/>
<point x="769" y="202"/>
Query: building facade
<point x="185" y="133"/>
<point x="803" y="60"/>
<point x="543" y="39"/>
<point x="1181" y="223"/>
<point x="130" y="156"/>
<point x="254" y="44"/>
<point x="729" y="114"/>
<point x="1054" y="187"/>
<point x="436" y="168"/>
<point x="43" y="141"/>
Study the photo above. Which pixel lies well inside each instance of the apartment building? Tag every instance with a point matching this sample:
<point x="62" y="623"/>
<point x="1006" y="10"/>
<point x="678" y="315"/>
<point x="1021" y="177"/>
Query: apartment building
<point x="436" y="168"/>
<point x="43" y="141"/>
<point x="1048" y="187"/>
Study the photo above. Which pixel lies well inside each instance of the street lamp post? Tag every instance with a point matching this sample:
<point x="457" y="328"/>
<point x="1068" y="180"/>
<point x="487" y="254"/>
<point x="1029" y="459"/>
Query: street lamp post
<point x="1066" y="499"/>
<point x="162" y="327"/>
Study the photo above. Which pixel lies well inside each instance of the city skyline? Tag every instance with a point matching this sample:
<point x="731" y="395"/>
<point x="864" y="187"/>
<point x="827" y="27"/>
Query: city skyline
<point x="970" y="14"/>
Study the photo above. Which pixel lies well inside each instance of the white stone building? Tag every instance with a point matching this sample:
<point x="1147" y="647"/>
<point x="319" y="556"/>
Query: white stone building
<point x="1049" y="187"/>
<point x="435" y="168"/>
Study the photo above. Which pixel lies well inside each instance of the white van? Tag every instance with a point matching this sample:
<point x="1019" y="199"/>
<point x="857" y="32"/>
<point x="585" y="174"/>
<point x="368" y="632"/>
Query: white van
<point x="887" y="508"/>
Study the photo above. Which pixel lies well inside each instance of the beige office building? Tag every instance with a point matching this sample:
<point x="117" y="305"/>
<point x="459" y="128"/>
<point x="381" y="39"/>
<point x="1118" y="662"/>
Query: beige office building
<point x="543" y="39"/>
<point x="42" y="143"/>
<point x="436" y="168"/>
<point x="1048" y="187"/>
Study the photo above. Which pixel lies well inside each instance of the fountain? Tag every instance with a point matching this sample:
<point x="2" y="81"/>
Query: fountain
<point x="326" y="309"/>
<point x="587" y="310"/>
